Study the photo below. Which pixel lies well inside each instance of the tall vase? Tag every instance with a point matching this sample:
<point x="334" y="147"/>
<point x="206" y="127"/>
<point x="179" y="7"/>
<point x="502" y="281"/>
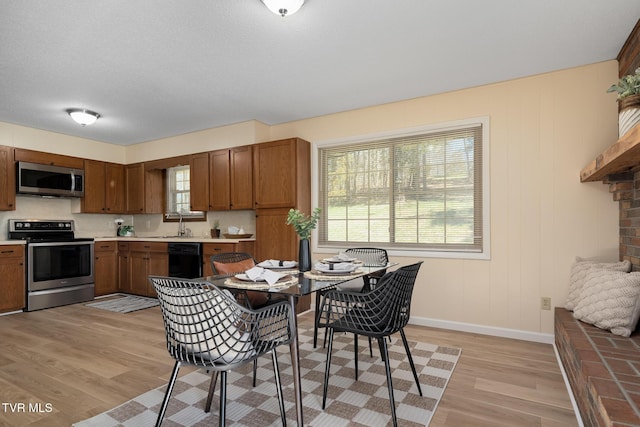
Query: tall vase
<point x="304" y="255"/>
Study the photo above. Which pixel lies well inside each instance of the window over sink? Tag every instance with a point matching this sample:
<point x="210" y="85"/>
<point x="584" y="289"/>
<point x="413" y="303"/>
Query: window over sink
<point x="178" y="196"/>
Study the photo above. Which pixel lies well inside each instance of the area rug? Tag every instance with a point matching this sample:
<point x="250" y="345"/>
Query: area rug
<point x="125" y="304"/>
<point x="349" y="403"/>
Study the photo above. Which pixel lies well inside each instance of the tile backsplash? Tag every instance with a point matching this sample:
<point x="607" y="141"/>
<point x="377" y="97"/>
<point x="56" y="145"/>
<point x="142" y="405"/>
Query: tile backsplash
<point x="101" y="225"/>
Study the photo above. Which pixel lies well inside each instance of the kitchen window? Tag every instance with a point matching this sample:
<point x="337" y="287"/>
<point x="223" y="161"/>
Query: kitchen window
<point x="422" y="191"/>
<point x="178" y="194"/>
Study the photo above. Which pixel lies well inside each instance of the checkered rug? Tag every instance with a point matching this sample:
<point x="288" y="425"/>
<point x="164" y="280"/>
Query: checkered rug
<point x="349" y="403"/>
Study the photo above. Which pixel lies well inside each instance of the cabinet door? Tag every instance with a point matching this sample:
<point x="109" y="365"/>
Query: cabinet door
<point x="274" y="174"/>
<point x="274" y="238"/>
<point x="219" y="180"/>
<point x="199" y="182"/>
<point x="114" y="188"/>
<point x="94" y="195"/>
<point x="134" y="179"/>
<point x="105" y="268"/>
<point x="241" y="177"/>
<point x="158" y="265"/>
<point x="124" y="281"/>
<point x="138" y="267"/>
<point x="7" y="179"/>
<point x="12" y="271"/>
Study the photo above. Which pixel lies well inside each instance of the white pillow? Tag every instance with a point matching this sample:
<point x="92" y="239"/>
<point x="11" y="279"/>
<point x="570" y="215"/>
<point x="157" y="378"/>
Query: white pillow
<point x="609" y="300"/>
<point x="579" y="271"/>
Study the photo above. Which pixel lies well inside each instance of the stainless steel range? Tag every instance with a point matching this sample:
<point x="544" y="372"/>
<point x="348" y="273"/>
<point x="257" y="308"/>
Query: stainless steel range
<point x="59" y="265"/>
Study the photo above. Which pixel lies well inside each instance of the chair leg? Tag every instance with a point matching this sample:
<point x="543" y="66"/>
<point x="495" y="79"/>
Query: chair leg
<point x="255" y="371"/>
<point x="383" y="349"/>
<point x="327" y="368"/>
<point x="355" y="353"/>
<point x="222" y="416"/>
<point x="413" y="367"/>
<point x="212" y="390"/>
<point x="317" y="316"/>
<point x="167" y="395"/>
<point x="370" y="348"/>
<point x="276" y="371"/>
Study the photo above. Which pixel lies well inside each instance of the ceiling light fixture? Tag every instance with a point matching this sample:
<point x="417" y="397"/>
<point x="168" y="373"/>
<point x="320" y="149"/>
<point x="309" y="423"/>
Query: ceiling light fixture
<point x="283" y="7"/>
<point x="83" y="116"/>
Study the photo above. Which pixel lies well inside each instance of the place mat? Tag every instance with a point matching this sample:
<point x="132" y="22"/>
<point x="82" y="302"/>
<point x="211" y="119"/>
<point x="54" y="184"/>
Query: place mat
<point x="232" y="282"/>
<point x="317" y="275"/>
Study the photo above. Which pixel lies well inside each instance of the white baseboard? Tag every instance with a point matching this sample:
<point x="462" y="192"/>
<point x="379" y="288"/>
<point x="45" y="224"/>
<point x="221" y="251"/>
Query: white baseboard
<point x="483" y="330"/>
<point x="568" y="385"/>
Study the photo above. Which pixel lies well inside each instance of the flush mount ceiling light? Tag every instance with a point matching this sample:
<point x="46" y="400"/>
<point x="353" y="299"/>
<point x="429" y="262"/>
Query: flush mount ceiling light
<point x="83" y="116"/>
<point x="283" y="7"/>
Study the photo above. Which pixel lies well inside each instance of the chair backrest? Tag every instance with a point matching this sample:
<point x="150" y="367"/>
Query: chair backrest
<point x="370" y="256"/>
<point x="393" y="293"/>
<point x="205" y="326"/>
<point x="231" y="262"/>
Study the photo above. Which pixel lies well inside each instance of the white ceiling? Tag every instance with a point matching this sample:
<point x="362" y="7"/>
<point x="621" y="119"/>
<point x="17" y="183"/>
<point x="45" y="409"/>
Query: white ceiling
<point x="159" y="68"/>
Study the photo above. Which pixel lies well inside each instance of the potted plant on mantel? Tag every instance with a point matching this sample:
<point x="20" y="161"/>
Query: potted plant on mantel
<point x="303" y="225"/>
<point x="628" y="90"/>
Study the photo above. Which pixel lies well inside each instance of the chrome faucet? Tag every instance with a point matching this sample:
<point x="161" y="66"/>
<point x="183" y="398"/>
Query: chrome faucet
<point x="181" y="231"/>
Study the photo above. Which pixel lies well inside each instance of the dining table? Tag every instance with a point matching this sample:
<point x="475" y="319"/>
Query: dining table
<point x="296" y="284"/>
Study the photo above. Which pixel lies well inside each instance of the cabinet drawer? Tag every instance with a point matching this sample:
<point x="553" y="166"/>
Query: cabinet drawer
<point x="209" y="249"/>
<point x="104" y="246"/>
<point x="123" y="246"/>
<point x="11" y="251"/>
<point x="148" y="246"/>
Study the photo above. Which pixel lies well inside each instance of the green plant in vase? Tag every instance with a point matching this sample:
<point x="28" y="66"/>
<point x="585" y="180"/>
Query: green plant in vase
<point x="303" y="225"/>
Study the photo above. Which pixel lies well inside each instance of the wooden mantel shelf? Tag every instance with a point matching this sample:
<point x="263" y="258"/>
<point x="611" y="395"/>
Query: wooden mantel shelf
<point x="623" y="156"/>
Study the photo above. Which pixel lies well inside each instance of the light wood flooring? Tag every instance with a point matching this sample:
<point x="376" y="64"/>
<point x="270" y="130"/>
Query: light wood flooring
<point x="71" y="363"/>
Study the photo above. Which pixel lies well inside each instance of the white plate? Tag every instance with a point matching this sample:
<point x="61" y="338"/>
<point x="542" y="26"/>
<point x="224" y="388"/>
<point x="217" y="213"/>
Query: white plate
<point x="246" y="278"/>
<point x="278" y="267"/>
<point x="334" y="260"/>
<point x="337" y="272"/>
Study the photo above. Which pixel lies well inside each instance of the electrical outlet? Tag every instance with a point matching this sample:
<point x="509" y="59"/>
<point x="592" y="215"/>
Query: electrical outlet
<point x="545" y="303"/>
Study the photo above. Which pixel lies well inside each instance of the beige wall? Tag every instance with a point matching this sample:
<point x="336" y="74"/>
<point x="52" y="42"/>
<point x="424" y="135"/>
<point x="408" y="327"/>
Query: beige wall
<point x="543" y="130"/>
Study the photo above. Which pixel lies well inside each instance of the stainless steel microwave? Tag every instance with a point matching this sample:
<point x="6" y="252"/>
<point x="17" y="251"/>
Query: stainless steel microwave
<point x="48" y="180"/>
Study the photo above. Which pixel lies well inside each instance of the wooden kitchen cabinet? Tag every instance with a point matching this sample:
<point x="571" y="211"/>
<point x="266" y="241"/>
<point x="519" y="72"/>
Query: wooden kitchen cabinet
<point x="281" y="173"/>
<point x="146" y="258"/>
<point x="12" y="271"/>
<point x="209" y="249"/>
<point x="40" y="157"/>
<point x="144" y="189"/>
<point x="105" y="268"/>
<point x="104" y="187"/>
<point x="231" y="179"/>
<point x="7" y="179"/>
<point x="199" y="182"/>
<point x="124" y="282"/>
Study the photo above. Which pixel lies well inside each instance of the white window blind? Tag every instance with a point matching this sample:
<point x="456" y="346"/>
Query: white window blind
<point x="418" y="192"/>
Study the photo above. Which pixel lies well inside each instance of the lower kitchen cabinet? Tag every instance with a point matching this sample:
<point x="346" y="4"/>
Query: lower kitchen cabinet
<point x="12" y="271"/>
<point x="124" y="283"/>
<point x="105" y="268"/>
<point x="209" y="249"/>
<point x="146" y="258"/>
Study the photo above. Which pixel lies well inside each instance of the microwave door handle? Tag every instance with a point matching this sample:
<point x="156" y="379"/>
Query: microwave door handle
<point x="73" y="181"/>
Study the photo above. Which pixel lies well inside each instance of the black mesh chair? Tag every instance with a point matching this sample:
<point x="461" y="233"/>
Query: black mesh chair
<point x="378" y="314"/>
<point x="370" y="257"/>
<point x="206" y="327"/>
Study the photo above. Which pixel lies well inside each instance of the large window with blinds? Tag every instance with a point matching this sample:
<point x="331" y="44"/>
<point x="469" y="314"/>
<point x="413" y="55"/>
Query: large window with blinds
<point x="422" y="191"/>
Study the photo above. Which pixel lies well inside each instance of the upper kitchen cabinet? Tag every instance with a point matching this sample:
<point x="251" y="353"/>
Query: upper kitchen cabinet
<point x="22" y="155"/>
<point x="231" y="179"/>
<point x="199" y="181"/>
<point x="144" y="189"/>
<point x="7" y="179"/>
<point x="105" y="187"/>
<point x="281" y="173"/>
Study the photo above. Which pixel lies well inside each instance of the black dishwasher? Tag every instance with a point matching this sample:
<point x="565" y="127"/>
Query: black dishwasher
<point x="185" y="260"/>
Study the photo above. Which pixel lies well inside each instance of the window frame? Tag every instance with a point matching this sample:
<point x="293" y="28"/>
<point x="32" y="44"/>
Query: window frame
<point x="483" y="254"/>
<point x="175" y="216"/>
